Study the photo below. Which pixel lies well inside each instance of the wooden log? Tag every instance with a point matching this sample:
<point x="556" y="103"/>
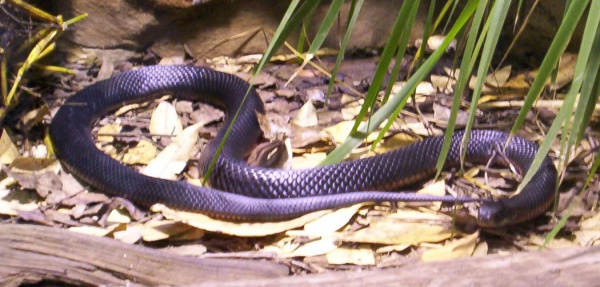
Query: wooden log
<point x="31" y="253"/>
<point x="567" y="267"/>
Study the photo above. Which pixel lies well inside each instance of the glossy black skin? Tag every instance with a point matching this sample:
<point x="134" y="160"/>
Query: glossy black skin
<point x="243" y="192"/>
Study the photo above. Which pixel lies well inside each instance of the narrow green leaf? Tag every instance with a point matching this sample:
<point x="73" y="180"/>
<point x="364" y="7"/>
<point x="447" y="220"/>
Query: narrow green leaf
<point x="559" y="225"/>
<point x="355" y="8"/>
<point x="394" y="105"/>
<point x="585" y="73"/>
<point x="563" y="35"/>
<point x="401" y="25"/>
<point x="323" y="31"/>
<point x="290" y="21"/>
<point x="572" y="17"/>
<point x="466" y="67"/>
<point x="496" y="22"/>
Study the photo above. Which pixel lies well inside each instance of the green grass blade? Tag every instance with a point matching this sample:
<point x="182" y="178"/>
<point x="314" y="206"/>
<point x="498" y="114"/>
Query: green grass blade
<point x="355" y="8"/>
<point x="496" y="22"/>
<point x="466" y="67"/>
<point x="401" y="26"/>
<point x="563" y="35"/>
<point x="588" y="69"/>
<point x="323" y="31"/>
<point x="394" y="105"/>
<point x="402" y="45"/>
<point x="572" y="17"/>
<point x="290" y="21"/>
<point x="559" y="225"/>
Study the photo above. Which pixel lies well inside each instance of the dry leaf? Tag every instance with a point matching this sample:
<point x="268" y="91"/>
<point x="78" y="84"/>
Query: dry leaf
<point x="108" y="129"/>
<point x="164" y="229"/>
<point x="187" y="250"/>
<point x="589" y="234"/>
<point x="456" y="248"/>
<point x="438" y="188"/>
<point x="94" y="230"/>
<point x="118" y="216"/>
<point x="329" y="223"/>
<point x="34" y="117"/>
<point x="173" y="159"/>
<point x="357" y="256"/>
<point x="425" y="88"/>
<point x="443" y="83"/>
<point x="244" y="229"/>
<point x="387" y="231"/>
<point x="314" y="248"/>
<point x="307" y="116"/>
<point x="308" y="160"/>
<point x="394" y="142"/>
<point x="131" y="234"/>
<point x="29" y="165"/>
<point x="341" y="130"/>
<point x="556" y="243"/>
<point x="499" y="78"/>
<point x="165" y="121"/>
<point x="142" y="153"/>
<point x="566" y="70"/>
<point x="16" y="202"/>
<point x="171" y="60"/>
<point x="8" y="151"/>
<point x="434" y="42"/>
<point x="351" y="110"/>
<point x="484" y="89"/>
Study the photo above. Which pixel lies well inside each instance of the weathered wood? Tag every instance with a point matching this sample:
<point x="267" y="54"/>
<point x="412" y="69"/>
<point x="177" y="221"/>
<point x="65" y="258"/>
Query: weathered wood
<point x="568" y="267"/>
<point x="31" y="253"/>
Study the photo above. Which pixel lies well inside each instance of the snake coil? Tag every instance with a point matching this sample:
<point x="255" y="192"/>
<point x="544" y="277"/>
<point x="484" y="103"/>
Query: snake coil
<point x="273" y="194"/>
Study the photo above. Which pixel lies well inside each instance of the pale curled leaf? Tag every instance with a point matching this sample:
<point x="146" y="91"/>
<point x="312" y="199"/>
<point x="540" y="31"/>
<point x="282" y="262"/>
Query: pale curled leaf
<point x="165" y="121"/>
<point x="105" y="132"/>
<point x="462" y="247"/>
<point x="245" y="229"/>
<point x="388" y="230"/>
<point x="329" y="223"/>
<point x="131" y="234"/>
<point x="314" y="248"/>
<point x="94" y="230"/>
<point x="142" y="153"/>
<point x="589" y="234"/>
<point x="499" y="78"/>
<point x="173" y="159"/>
<point x="168" y="229"/>
<point x="8" y="151"/>
<point x="357" y="256"/>
<point x="307" y="116"/>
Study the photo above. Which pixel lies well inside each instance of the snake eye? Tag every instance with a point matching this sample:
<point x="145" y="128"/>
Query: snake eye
<point x="491" y="214"/>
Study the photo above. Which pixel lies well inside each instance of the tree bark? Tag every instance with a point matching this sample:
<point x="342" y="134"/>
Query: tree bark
<point x="566" y="267"/>
<point x="29" y="254"/>
<point x="32" y="253"/>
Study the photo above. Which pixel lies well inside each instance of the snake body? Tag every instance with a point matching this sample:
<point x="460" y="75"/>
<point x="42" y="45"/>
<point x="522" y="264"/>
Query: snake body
<point x="239" y="191"/>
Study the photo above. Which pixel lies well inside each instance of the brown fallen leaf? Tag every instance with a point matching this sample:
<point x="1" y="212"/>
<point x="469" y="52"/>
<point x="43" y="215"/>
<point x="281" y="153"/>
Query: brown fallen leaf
<point x="165" y="120"/>
<point x="173" y="159"/>
<point x="456" y="248"/>
<point x="390" y="230"/>
<point x="361" y="256"/>
<point x="244" y="229"/>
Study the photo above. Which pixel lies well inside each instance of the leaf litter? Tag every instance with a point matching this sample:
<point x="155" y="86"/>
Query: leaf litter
<point x="152" y="138"/>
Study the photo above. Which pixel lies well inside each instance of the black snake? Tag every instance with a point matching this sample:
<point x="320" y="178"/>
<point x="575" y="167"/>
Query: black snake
<point x="261" y="194"/>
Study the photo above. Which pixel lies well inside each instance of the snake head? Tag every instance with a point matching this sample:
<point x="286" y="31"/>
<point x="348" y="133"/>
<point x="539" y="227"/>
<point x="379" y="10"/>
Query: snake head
<point x="493" y="213"/>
